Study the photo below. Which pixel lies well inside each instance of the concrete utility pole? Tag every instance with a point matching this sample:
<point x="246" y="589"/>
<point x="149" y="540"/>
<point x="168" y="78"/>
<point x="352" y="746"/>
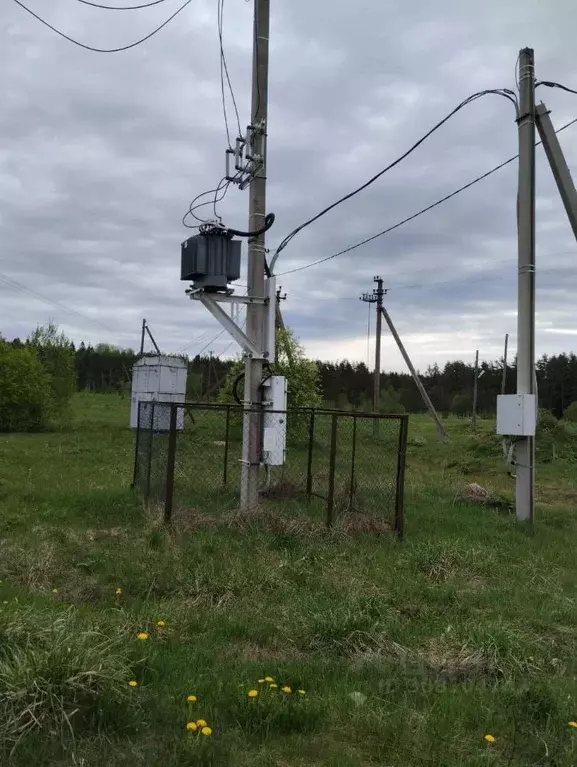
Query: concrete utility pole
<point x="525" y="446"/>
<point x="376" y="297"/>
<point x="251" y="447"/>
<point x="475" y="390"/>
<point x="418" y="383"/>
<point x="504" y="379"/>
<point x="142" y="336"/>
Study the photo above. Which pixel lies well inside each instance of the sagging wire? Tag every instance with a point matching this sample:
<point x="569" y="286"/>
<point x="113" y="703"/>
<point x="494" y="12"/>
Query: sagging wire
<point x="504" y="92"/>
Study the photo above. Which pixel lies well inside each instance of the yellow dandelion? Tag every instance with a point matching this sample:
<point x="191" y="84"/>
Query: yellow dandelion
<point x="191" y="726"/>
<point x="201" y="723"/>
<point x="572" y="724"/>
<point x="133" y="683"/>
<point x="160" y="624"/>
<point x="261" y="681"/>
<point x="273" y="685"/>
<point x="302" y="692"/>
<point x="252" y="693"/>
<point x="191" y="699"/>
<point x="55" y="591"/>
<point x="286" y="689"/>
<point x="490" y="738"/>
<point x="206" y="731"/>
<point x="118" y="592"/>
<point x="269" y="679"/>
<point x="142" y="635"/>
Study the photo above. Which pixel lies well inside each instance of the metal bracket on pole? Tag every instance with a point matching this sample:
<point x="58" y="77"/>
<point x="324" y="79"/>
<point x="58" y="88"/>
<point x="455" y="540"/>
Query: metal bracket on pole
<point x="270" y="321"/>
<point x="558" y="164"/>
<point x="207" y="300"/>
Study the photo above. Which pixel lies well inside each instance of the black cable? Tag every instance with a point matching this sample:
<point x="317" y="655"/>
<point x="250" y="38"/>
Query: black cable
<point x="417" y="214"/>
<point x="499" y="92"/>
<point x="235" y="384"/>
<point x="224" y="66"/>
<point x="192" y="207"/>
<point x="103" y="50"/>
<point x="268" y="222"/>
<point x="551" y="84"/>
<point x="121" y="7"/>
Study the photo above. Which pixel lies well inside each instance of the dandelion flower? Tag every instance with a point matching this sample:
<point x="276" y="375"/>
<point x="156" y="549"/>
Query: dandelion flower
<point x="269" y="679"/>
<point x="273" y="685"/>
<point x="572" y="724"/>
<point x="490" y="738"/>
<point x="133" y="683"/>
<point x="191" y="699"/>
<point x="191" y="726"/>
<point x="201" y="723"/>
<point x="252" y="693"/>
<point x="142" y="635"/>
<point x="118" y="592"/>
<point x="160" y="624"/>
<point x="55" y="591"/>
<point x="261" y="681"/>
<point x="302" y="692"/>
<point x="206" y="731"/>
<point x="286" y="689"/>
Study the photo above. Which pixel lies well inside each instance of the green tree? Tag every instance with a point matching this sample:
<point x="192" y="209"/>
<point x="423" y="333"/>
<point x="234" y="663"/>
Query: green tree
<point x="25" y="393"/>
<point x="302" y="374"/>
<point x="56" y="353"/>
<point x="461" y="404"/>
<point x="391" y="401"/>
<point x="570" y="412"/>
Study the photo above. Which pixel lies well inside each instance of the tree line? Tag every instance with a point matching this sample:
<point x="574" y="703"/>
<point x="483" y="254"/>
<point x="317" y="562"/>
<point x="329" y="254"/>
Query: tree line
<point x="107" y="368"/>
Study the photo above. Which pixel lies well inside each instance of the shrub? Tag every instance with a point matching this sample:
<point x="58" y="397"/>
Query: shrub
<point x="570" y="412"/>
<point x="56" y="353"/>
<point x="26" y="401"/>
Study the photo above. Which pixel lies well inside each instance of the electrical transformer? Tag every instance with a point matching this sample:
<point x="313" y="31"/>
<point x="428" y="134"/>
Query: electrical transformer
<point x="210" y="261"/>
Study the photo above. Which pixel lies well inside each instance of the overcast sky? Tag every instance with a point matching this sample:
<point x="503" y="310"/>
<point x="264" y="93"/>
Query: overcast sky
<point x="100" y="155"/>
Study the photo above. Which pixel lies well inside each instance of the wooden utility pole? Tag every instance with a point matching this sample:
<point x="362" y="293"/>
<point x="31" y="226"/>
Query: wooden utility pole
<point x="251" y="447"/>
<point x="475" y="390"/>
<point x="376" y="297"/>
<point x="504" y="379"/>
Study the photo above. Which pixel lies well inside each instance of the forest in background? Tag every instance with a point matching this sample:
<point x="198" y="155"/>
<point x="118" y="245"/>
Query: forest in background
<point x="106" y="368"/>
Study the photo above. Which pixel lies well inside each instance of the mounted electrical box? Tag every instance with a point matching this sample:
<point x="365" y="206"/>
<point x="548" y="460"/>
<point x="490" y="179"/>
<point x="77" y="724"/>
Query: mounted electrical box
<point x="274" y="421"/>
<point x="210" y="261"/>
<point x="159" y="379"/>
<point x="516" y="415"/>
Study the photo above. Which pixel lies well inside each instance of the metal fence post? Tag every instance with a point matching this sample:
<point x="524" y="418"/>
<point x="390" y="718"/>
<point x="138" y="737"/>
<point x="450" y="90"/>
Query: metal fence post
<point x="310" y="455"/>
<point x="170" y="460"/>
<point x="400" y="492"/>
<point x="226" y="441"/>
<point x="136" y="467"/>
<point x="149" y="472"/>
<point x="353" y="457"/>
<point x="332" y="465"/>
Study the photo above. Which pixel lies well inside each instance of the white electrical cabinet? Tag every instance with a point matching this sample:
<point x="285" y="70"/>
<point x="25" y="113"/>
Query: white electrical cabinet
<point x="158" y="379"/>
<point x="274" y="421"/>
<point x="516" y="415"/>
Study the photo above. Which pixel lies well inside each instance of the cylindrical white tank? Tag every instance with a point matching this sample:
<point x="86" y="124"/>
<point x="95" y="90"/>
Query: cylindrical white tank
<point x="160" y="379"/>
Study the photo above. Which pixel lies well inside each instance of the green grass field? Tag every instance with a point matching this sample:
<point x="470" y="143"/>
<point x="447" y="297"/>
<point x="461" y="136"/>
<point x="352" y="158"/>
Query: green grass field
<point x="409" y="654"/>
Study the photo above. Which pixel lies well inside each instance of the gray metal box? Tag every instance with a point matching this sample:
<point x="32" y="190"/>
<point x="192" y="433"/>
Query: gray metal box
<point x="210" y="261"/>
<point x="516" y="415"/>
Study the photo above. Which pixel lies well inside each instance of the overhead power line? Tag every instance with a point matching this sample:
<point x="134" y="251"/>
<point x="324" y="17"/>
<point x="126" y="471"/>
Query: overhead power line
<point x="102" y="50"/>
<point x="121" y="7"/>
<point x="415" y="215"/>
<point x="10" y="282"/>
<point x="506" y="93"/>
<point x="551" y="84"/>
<point x="223" y="72"/>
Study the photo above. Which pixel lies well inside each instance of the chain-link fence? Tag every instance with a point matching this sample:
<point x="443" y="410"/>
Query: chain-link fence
<point x="339" y="467"/>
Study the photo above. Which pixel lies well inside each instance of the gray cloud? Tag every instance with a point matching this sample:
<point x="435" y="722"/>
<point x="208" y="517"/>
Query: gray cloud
<point x="100" y="155"/>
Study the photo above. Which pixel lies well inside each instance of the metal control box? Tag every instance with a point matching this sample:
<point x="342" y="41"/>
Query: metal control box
<point x="516" y="415"/>
<point x="162" y="379"/>
<point x="274" y="421"/>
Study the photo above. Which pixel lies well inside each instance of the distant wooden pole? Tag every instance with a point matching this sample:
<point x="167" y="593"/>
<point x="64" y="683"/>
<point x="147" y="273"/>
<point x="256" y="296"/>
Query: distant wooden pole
<point x="475" y="389"/>
<point x="504" y="380"/>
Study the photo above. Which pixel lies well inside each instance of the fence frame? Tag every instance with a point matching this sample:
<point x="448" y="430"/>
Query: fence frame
<point x="335" y="416"/>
